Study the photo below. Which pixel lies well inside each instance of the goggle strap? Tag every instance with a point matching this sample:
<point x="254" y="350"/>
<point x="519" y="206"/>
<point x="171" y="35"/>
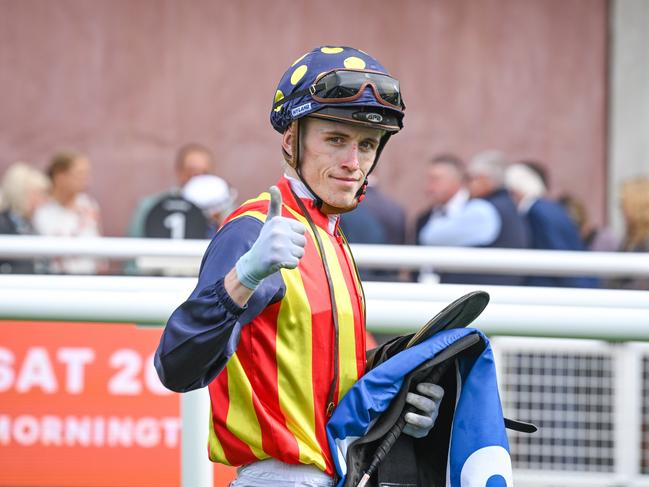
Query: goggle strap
<point x="294" y="95"/>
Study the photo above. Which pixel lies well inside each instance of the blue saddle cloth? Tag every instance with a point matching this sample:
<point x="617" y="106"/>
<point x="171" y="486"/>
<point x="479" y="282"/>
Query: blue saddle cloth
<point x="478" y="453"/>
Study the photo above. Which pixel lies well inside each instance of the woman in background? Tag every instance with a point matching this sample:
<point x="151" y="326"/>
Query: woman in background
<point x="598" y="239"/>
<point x="24" y="189"/>
<point x="70" y="211"/>
<point x="634" y="200"/>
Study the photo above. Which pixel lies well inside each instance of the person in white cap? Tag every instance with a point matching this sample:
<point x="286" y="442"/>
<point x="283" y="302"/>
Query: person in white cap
<point x="211" y="194"/>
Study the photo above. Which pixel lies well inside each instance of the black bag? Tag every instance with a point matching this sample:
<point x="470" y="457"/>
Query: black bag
<point x="413" y="461"/>
<point x="408" y="461"/>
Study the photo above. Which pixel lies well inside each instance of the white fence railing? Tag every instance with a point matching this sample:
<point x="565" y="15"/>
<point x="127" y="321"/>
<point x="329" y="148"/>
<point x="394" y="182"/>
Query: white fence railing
<point x="391" y="307"/>
<point x="590" y="400"/>
<point x="449" y="259"/>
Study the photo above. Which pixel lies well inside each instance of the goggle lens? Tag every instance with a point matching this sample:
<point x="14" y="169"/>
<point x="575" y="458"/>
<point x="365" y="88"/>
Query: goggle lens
<point x="343" y="85"/>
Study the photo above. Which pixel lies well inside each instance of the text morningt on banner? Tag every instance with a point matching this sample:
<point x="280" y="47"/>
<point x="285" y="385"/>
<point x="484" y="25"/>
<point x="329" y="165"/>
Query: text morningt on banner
<point x="81" y="405"/>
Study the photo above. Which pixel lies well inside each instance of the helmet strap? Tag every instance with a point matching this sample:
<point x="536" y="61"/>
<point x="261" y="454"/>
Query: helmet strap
<point x="295" y="162"/>
<point x="360" y="195"/>
<point x="379" y="149"/>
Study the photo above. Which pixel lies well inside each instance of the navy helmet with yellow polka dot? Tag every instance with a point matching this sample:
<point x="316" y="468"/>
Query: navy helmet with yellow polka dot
<point x="341" y="84"/>
<point x="338" y="83"/>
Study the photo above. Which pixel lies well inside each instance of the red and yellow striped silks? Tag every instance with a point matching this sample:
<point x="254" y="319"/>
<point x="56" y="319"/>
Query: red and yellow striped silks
<point x="271" y="399"/>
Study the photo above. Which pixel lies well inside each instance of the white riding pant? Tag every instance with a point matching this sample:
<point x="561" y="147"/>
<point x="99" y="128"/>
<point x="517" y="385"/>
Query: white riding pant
<point x="273" y="473"/>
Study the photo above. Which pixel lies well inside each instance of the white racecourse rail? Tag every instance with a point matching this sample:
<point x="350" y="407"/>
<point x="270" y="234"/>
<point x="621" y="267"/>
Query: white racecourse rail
<point x="450" y="259"/>
<point x="620" y="316"/>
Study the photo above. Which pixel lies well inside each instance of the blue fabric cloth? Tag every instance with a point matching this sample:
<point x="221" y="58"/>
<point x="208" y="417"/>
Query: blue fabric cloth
<point x="552" y="229"/>
<point x="479" y="450"/>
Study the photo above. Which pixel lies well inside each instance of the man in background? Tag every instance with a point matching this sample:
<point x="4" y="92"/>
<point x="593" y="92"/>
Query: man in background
<point x="447" y="194"/>
<point x="191" y="160"/>
<point x="471" y="209"/>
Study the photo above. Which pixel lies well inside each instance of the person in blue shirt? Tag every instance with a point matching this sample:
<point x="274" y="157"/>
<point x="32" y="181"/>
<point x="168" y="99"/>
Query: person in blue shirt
<point x="551" y="228"/>
<point x="454" y="219"/>
<point x="472" y="209"/>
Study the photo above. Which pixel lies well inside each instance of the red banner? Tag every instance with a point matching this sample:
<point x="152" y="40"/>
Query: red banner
<point x="81" y="405"/>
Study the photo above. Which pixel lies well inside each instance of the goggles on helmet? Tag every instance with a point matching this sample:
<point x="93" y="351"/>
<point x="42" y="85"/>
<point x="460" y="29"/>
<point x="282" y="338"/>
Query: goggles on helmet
<point x="347" y="85"/>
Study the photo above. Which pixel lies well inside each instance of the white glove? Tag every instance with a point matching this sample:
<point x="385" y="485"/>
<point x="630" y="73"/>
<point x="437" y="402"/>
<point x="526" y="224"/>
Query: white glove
<point x="419" y="424"/>
<point x="279" y="244"/>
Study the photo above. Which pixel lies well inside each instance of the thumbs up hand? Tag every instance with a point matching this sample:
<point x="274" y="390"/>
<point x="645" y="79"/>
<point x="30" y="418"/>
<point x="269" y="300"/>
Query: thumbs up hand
<point x="280" y="244"/>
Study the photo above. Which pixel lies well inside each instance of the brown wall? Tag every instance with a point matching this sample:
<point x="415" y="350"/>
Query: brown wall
<point x="128" y="81"/>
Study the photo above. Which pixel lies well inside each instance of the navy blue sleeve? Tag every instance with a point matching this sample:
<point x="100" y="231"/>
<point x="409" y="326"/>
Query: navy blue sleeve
<point x="202" y="333"/>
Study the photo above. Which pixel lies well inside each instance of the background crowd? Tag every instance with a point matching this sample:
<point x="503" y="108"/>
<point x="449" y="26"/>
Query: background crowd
<point x="487" y="201"/>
